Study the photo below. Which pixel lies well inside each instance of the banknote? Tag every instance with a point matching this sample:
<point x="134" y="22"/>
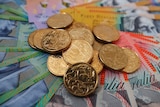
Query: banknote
<point x="37" y="71"/>
<point x="114" y="93"/>
<point x="148" y="95"/>
<point x="29" y="96"/>
<point x="94" y="16"/>
<point x="10" y="10"/>
<point x="8" y="58"/>
<point x="53" y="85"/>
<point x="63" y="98"/>
<point x="39" y="11"/>
<point x="16" y="34"/>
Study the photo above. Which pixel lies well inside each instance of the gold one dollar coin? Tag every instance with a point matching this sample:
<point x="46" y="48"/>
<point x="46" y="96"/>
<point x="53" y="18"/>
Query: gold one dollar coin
<point x="60" y="20"/>
<point x="113" y="56"/>
<point x="30" y="39"/>
<point x="79" y="51"/>
<point x="106" y="33"/>
<point x="96" y="63"/>
<point x="56" y="41"/>
<point x="80" y="79"/>
<point x="82" y="33"/>
<point x="40" y="33"/>
<point x="133" y="61"/>
<point x="56" y="65"/>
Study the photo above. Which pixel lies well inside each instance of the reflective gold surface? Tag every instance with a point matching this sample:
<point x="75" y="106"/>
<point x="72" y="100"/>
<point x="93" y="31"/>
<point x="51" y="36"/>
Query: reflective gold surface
<point x="81" y="79"/>
<point x="106" y="33"/>
<point x="133" y="61"/>
<point x="56" y="65"/>
<point x="56" y="41"/>
<point x="79" y="51"/>
<point x="113" y="56"/>
<point x="82" y="33"/>
<point x="60" y="20"/>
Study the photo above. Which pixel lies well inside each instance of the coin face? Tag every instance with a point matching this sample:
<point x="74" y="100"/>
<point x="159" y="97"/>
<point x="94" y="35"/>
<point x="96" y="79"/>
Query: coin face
<point x="60" y="20"/>
<point x="56" y="41"/>
<point x="97" y="45"/>
<point x="79" y="51"/>
<point x="113" y="56"/>
<point x="133" y="61"/>
<point x="96" y="63"/>
<point x="106" y="33"/>
<point x="38" y="37"/>
<point x="78" y="25"/>
<point x="30" y="39"/>
<point x="56" y="65"/>
<point x="80" y="79"/>
<point x="82" y="33"/>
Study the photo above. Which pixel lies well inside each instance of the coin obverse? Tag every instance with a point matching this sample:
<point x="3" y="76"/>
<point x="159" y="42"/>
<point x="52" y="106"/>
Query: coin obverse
<point x="38" y="37"/>
<point x="82" y="33"/>
<point x="56" y="65"/>
<point x="79" y="51"/>
<point x="106" y="33"/>
<point x="80" y="79"/>
<point x="56" y="41"/>
<point x="60" y="20"/>
<point x="113" y="56"/>
<point x="133" y="61"/>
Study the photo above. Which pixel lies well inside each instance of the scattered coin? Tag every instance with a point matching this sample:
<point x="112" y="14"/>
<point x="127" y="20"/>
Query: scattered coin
<point x="38" y="37"/>
<point x="133" y="61"/>
<point x="78" y="25"/>
<point x="82" y="33"/>
<point x="106" y="33"/>
<point x="30" y="39"/>
<point x="97" y="45"/>
<point x="60" y="20"/>
<point x="113" y="56"/>
<point x="79" y="51"/>
<point x="56" y="41"/>
<point x="96" y="63"/>
<point x="80" y="79"/>
<point x="56" y="65"/>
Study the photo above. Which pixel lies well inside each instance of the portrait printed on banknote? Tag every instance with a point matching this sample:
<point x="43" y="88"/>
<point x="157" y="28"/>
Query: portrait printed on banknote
<point x="63" y="98"/>
<point x="148" y="96"/>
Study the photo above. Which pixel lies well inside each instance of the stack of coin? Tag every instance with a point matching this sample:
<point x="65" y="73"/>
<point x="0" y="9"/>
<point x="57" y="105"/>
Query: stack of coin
<point x="79" y="53"/>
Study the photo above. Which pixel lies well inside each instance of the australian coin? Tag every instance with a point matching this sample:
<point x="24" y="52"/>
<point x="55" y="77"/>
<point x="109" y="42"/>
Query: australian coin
<point x="113" y="56"/>
<point x="133" y="61"/>
<point x="56" y="65"/>
<point x="30" y="39"/>
<point x="79" y="51"/>
<point x="106" y="33"/>
<point x="56" y="41"/>
<point x="97" y="45"/>
<point x="82" y="33"/>
<point x="78" y="25"/>
<point x="38" y="37"/>
<point x="80" y="79"/>
<point x="96" y="63"/>
<point x="60" y="20"/>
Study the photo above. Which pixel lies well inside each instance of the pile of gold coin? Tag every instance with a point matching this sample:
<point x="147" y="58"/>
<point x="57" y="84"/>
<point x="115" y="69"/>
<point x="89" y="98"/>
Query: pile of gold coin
<point x="79" y="53"/>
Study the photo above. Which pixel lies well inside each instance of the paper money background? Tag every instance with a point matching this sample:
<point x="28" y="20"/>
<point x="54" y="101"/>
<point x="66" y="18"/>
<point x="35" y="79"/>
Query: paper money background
<point x="26" y="81"/>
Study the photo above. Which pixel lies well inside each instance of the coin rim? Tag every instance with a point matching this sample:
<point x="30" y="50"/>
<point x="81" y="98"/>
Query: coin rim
<point x="56" y="27"/>
<point x="96" y="84"/>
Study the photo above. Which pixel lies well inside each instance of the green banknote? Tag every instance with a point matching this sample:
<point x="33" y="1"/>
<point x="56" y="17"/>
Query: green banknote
<point x="53" y="85"/>
<point x="38" y="71"/>
<point x="16" y="37"/>
<point x="11" y="9"/>
<point x="14" y="57"/>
